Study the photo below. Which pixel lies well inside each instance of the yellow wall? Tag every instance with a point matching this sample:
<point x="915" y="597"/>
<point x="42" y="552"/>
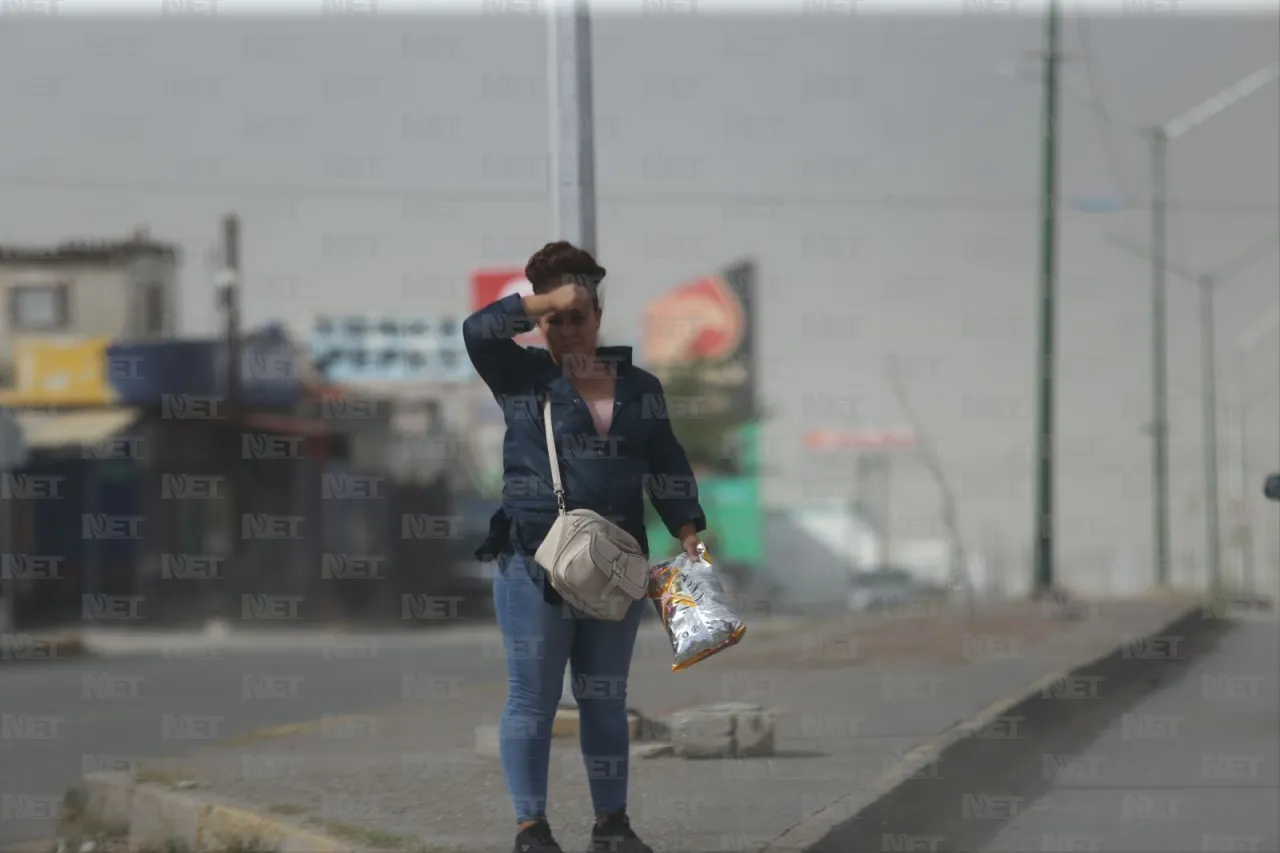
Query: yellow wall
<point x="59" y="372"/>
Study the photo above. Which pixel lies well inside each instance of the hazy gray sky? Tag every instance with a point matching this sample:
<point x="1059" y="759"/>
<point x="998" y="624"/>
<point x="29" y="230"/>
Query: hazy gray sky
<point x="881" y="170"/>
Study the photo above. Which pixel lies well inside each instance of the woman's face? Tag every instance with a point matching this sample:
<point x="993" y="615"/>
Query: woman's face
<point x="573" y="333"/>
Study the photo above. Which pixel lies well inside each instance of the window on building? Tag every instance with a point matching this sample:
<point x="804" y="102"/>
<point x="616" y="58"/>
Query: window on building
<point x="153" y="309"/>
<point x="40" y="307"/>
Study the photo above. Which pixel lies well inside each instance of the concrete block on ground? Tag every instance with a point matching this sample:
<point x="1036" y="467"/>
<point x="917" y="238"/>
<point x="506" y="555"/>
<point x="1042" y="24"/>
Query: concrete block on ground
<point x="724" y="730"/>
<point x="110" y="796"/>
<point x="702" y="733"/>
<point x="753" y="733"/>
<point x="159" y="815"/>
<point x="650" y="750"/>
<point x="651" y="731"/>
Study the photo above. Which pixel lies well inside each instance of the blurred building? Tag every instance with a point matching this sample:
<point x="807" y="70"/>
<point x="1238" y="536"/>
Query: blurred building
<point x="63" y="306"/>
<point x="70" y="486"/>
<point x="114" y="289"/>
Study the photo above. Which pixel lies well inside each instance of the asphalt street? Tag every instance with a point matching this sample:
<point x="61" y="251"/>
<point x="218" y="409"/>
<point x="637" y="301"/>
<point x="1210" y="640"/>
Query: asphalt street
<point x="153" y="695"/>
<point x="1194" y="766"/>
<point x="62" y="719"/>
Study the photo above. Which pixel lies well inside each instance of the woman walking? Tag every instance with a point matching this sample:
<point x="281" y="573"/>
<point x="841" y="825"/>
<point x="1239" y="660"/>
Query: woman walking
<point x="614" y="442"/>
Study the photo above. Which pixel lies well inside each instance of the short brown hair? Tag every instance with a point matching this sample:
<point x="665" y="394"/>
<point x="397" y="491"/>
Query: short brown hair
<point x="550" y="264"/>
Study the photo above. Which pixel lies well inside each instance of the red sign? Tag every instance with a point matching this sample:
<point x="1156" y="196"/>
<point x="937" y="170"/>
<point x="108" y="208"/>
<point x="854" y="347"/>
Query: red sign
<point x="700" y="321"/>
<point x="488" y="286"/>
<point x="825" y="439"/>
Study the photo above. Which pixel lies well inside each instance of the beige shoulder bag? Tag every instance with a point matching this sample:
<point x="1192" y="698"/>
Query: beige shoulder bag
<point x="595" y="565"/>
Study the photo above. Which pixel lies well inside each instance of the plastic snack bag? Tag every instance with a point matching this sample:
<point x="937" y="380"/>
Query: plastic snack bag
<point x="694" y="608"/>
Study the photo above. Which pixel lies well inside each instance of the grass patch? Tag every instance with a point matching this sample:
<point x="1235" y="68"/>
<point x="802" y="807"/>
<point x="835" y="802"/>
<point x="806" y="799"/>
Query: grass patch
<point x="375" y="838"/>
<point x="287" y="809"/>
<point x="272" y="733"/>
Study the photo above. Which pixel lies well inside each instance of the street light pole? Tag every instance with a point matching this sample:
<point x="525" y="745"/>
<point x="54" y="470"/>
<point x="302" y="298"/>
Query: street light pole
<point x="572" y="145"/>
<point x="1159" y="353"/>
<point x="1208" y="366"/>
<point x="1159" y="141"/>
<point x="1043" y="522"/>
<point x="229" y="301"/>
<point x="572" y="123"/>
<point x="1243" y="343"/>
<point x="1208" y="283"/>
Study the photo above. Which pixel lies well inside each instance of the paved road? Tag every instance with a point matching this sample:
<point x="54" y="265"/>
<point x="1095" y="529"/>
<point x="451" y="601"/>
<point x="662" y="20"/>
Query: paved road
<point x="850" y="703"/>
<point x="62" y="719"/>
<point x="167" y="694"/>
<point x="1194" y="767"/>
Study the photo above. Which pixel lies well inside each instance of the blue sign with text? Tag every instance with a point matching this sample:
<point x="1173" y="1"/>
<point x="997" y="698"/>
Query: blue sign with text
<point x="387" y="349"/>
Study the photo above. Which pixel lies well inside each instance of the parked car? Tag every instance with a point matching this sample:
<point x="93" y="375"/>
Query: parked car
<point x="885" y="587"/>
<point x="1272" y="487"/>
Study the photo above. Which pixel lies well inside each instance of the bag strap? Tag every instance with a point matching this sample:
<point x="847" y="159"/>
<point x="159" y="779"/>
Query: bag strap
<point x="551" y="454"/>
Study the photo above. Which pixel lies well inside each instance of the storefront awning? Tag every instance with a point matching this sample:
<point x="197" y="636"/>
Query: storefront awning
<point x="69" y="429"/>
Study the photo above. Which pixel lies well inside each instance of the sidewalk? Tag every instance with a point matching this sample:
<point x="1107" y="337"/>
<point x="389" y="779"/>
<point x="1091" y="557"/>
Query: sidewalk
<point x="119" y="642"/>
<point x="853" y="697"/>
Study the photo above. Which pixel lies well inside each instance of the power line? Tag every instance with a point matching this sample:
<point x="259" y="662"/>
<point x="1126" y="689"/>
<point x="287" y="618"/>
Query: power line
<point x="469" y="195"/>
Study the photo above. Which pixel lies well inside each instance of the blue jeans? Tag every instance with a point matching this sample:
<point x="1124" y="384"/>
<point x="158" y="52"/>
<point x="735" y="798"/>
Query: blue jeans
<point x="540" y="639"/>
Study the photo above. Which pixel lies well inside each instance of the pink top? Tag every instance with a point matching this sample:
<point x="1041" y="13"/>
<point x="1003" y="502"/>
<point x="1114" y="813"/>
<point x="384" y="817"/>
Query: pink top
<point x="601" y="414"/>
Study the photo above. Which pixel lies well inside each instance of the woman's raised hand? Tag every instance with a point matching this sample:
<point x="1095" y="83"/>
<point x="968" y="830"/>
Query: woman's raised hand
<point x="569" y="296"/>
<point x="565" y="298"/>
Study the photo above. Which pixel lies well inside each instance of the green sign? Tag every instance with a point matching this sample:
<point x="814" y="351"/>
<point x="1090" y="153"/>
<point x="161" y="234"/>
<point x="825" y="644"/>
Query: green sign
<point x="735" y="515"/>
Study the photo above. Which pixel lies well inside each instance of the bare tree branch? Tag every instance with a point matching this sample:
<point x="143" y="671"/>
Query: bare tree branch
<point x="929" y="456"/>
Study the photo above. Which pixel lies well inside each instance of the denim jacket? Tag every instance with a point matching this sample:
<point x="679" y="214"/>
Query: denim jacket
<point x="608" y="474"/>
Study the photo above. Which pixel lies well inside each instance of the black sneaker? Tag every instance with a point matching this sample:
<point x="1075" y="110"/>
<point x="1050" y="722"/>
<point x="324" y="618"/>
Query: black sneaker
<point x="614" y="835"/>
<point x="536" y="839"/>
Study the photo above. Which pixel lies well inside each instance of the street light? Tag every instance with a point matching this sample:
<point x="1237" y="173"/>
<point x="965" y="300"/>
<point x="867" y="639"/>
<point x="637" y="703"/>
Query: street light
<point x="572" y="145"/>
<point x="1160" y="137"/>
<point x="1207" y="283"/>
<point x="1242" y="345"/>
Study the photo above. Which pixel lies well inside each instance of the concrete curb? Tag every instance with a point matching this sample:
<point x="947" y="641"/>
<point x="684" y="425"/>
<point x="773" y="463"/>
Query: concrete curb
<point x="566" y="724"/>
<point x="157" y="815"/>
<point x="815" y="833"/>
<point x="18" y="647"/>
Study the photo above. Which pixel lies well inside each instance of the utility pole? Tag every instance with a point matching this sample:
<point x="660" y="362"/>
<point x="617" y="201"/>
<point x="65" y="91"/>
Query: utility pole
<point x="1209" y="368"/>
<point x="1044" y="472"/>
<point x="13" y="456"/>
<point x="572" y="123"/>
<point x="229" y="302"/>
<point x="1159" y="355"/>
<point x="573" y="154"/>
